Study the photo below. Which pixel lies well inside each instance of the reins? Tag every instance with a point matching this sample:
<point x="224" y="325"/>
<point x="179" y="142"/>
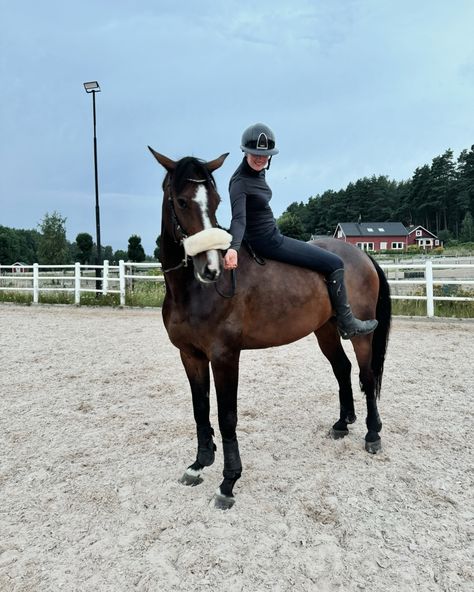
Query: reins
<point x="233" y="281"/>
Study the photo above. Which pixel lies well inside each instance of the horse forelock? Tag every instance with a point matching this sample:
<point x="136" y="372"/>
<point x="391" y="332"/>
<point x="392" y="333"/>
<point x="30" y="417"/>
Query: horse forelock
<point x="188" y="168"/>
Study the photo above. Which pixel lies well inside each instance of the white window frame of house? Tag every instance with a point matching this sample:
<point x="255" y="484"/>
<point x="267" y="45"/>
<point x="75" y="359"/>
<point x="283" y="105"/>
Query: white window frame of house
<point x="397" y="246"/>
<point x="419" y="233"/>
<point x="365" y="246"/>
<point x="383" y="246"/>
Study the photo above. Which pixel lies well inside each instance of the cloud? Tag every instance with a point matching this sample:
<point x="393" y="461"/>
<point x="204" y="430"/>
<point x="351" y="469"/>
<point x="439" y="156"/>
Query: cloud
<point x="351" y="89"/>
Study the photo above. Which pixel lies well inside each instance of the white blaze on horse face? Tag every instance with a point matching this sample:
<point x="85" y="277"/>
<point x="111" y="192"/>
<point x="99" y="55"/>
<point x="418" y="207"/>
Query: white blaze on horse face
<point x="201" y="199"/>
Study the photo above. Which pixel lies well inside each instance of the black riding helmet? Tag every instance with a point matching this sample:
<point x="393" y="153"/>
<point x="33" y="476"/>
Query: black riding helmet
<point x="258" y="139"/>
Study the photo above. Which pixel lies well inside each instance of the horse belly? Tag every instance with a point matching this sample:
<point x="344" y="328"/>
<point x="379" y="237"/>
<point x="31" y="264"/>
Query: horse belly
<point x="279" y="317"/>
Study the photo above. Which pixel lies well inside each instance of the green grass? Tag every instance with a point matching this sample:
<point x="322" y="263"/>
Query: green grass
<point x="442" y="308"/>
<point x="146" y="294"/>
<point x="16" y="297"/>
<point x="149" y="294"/>
<point x="100" y="300"/>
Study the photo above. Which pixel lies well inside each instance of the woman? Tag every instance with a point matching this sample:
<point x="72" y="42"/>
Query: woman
<point x="252" y="219"/>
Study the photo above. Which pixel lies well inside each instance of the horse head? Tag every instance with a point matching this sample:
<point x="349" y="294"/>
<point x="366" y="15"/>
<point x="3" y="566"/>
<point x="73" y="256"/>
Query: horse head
<point x="190" y="201"/>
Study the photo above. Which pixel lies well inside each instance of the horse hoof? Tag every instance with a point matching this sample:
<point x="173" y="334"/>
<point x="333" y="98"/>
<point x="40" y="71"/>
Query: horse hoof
<point x="338" y="434"/>
<point x="373" y="447"/>
<point x="223" y="502"/>
<point x="339" y="430"/>
<point x="191" y="478"/>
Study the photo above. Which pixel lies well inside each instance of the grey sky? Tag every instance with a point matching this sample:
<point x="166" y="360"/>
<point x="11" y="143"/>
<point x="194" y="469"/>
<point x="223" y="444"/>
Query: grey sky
<point x="351" y="88"/>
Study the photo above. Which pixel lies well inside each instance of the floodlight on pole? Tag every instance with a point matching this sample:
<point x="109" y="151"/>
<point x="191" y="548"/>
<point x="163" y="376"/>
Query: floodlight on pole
<point x="93" y="88"/>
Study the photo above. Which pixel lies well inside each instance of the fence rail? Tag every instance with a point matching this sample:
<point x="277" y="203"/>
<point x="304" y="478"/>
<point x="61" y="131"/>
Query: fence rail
<point x="431" y="274"/>
<point x="75" y="278"/>
<point x="112" y="279"/>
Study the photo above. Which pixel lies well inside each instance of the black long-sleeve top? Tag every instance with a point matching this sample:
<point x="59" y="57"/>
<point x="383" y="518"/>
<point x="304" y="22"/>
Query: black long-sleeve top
<point x="252" y="216"/>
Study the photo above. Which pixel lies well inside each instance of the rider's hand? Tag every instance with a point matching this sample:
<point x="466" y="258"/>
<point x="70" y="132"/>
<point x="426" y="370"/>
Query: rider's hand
<point x="230" y="259"/>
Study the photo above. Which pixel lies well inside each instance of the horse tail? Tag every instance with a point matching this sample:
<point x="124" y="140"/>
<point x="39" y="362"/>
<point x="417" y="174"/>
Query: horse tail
<point x="381" y="333"/>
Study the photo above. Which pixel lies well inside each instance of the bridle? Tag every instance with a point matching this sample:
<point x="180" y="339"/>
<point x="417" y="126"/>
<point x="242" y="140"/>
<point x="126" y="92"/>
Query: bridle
<point x="179" y="234"/>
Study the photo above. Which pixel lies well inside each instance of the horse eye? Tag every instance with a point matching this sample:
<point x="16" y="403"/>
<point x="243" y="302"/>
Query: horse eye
<point x="182" y="203"/>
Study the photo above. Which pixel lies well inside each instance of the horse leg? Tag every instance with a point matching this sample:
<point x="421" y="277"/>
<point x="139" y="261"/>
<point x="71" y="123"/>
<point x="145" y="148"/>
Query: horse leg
<point x="330" y="344"/>
<point x="363" y="352"/>
<point x="225" y="368"/>
<point x="197" y="371"/>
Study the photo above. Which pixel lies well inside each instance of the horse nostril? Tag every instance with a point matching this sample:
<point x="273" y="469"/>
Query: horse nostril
<point x="210" y="274"/>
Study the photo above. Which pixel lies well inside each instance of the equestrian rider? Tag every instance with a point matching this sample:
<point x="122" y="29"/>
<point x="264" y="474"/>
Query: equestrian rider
<point x="252" y="219"/>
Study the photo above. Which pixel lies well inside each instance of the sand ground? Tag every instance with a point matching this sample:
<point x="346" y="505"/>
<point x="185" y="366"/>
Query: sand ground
<point x="97" y="427"/>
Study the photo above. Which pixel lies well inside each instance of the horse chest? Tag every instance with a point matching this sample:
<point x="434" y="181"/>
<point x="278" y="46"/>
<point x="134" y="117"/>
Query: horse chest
<point x="187" y="328"/>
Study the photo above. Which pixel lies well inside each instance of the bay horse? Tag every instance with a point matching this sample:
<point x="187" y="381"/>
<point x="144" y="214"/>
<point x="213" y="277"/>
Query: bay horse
<point x="269" y="305"/>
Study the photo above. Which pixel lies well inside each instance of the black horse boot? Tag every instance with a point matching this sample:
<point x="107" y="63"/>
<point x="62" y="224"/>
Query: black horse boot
<point x="347" y="324"/>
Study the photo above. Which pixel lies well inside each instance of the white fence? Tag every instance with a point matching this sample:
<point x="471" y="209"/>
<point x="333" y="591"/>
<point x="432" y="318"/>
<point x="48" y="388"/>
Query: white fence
<point x="76" y="278"/>
<point x="112" y="279"/>
<point x="441" y="273"/>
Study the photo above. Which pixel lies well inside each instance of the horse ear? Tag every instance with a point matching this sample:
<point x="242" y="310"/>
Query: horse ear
<point x="165" y="162"/>
<point x="218" y="162"/>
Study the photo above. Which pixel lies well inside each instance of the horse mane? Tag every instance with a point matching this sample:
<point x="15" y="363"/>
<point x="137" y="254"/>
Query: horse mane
<point x="187" y="168"/>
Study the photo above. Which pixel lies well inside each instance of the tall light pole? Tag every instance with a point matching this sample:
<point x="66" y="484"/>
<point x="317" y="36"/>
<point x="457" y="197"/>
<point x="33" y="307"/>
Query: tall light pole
<point x="92" y="88"/>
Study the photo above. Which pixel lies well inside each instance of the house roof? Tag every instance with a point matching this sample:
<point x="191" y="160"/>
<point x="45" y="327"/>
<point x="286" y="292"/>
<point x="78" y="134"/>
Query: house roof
<point x="373" y="229"/>
<point x="412" y="229"/>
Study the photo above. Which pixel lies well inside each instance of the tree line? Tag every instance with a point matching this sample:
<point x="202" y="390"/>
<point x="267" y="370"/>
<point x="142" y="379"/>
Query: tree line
<point x="48" y="246"/>
<point x="438" y="196"/>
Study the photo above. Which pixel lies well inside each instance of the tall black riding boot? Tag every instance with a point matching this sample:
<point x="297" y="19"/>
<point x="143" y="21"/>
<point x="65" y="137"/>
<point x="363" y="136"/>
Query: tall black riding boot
<point x="347" y="324"/>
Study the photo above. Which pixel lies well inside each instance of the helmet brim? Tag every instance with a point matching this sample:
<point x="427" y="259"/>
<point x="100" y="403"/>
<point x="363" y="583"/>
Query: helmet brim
<point x="260" y="151"/>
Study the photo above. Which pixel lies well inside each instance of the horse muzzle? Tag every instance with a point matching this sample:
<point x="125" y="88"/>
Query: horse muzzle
<point x="207" y="267"/>
<point x="204" y="247"/>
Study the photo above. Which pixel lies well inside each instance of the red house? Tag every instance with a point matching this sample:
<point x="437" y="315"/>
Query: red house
<point x="374" y="236"/>
<point x="419" y="236"/>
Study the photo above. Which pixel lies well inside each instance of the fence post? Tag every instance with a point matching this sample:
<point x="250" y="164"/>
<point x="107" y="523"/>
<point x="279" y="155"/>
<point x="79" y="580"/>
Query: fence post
<point x="122" y="281"/>
<point x="77" y="283"/>
<point x="429" y="288"/>
<point x="35" y="283"/>
<point x="105" y="278"/>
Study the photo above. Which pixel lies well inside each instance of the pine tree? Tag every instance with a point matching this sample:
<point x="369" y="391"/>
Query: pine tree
<point x="442" y="178"/>
<point x="467" y="229"/>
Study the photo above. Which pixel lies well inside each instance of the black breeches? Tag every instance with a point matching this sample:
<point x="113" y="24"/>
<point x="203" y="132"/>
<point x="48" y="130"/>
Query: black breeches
<point x="296" y="252"/>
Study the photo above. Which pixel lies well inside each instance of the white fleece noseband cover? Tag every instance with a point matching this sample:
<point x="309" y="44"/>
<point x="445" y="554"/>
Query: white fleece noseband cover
<point x="207" y="240"/>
